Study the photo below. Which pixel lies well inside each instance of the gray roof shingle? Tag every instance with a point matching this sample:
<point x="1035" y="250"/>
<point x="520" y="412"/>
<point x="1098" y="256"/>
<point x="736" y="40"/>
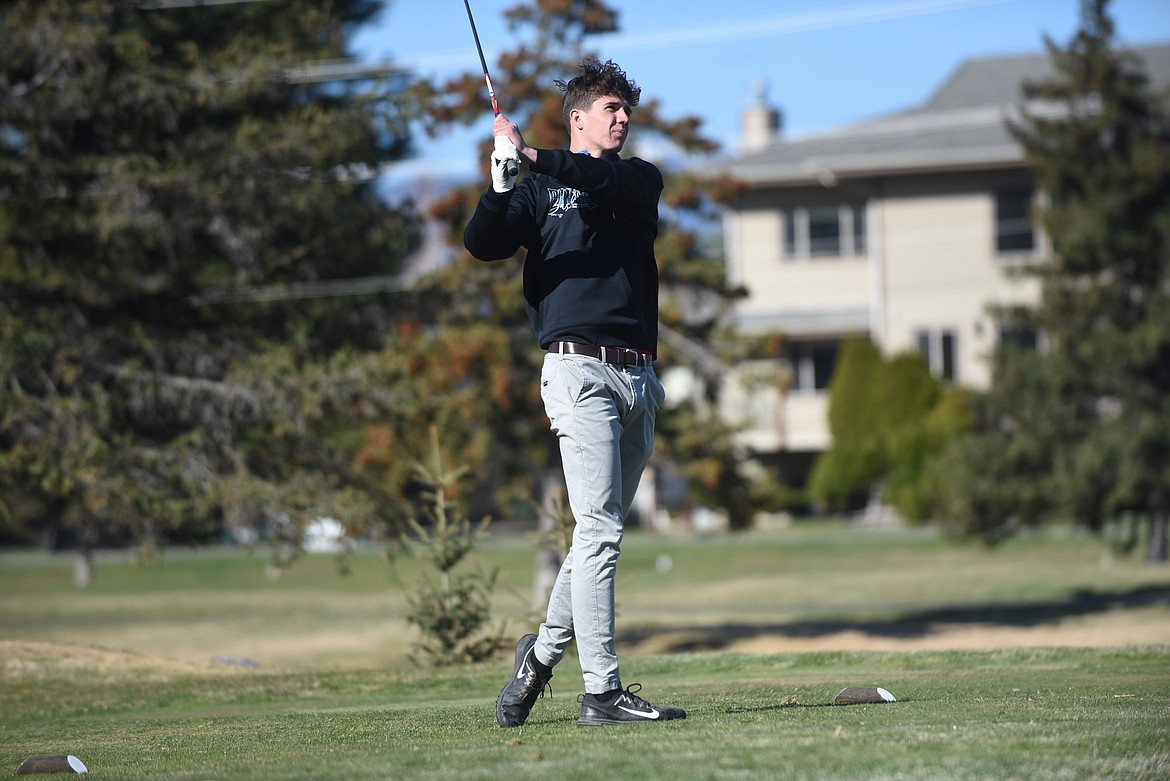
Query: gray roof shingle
<point x="961" y="126"/>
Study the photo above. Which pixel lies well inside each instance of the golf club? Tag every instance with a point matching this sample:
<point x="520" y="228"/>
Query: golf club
<point x="486" y="76"/>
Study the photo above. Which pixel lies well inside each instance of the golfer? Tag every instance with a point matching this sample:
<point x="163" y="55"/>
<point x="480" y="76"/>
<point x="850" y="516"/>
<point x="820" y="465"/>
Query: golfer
<point x="588" y="219"/>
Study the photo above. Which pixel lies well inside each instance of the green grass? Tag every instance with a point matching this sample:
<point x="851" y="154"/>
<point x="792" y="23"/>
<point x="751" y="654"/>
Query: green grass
<point x="1034" y="714"/>
<point x="1046" y="659"/>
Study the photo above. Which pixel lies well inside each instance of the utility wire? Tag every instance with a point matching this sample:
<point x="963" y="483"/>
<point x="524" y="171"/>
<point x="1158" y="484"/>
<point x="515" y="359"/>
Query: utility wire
<point x="299" y="291"/>
<point x="342" y="70"/>
<point x="162" y="5"/>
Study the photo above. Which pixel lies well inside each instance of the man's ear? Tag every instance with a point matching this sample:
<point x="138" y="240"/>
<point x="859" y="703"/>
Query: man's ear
<point x="575" y="118"/>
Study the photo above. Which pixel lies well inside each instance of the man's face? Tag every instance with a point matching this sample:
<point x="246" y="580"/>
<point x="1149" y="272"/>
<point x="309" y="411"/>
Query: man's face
<point x="602" y="128"/>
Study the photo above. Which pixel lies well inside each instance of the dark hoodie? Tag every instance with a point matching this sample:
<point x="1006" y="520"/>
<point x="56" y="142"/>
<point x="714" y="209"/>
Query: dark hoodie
<point x="589" y="226"/>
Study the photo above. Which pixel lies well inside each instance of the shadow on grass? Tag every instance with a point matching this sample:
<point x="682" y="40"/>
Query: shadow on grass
<point x="787" y="706"/>
<point x="903" y="625"/>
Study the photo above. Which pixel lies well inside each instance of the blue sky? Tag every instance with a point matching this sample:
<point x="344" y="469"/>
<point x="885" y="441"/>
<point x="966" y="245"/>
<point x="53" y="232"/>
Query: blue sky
<point x="826" y="63"/>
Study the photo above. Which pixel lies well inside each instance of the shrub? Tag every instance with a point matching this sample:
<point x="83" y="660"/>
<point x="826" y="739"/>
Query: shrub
<point x="888" y="419"/>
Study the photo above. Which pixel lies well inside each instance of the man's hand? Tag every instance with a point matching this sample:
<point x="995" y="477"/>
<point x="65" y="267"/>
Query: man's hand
<point x="502" y="126"/>
<point x="505" y="165"/>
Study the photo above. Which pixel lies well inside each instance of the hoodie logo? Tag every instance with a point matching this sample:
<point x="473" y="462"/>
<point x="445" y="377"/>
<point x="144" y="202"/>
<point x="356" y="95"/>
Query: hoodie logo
<point x="562" y="199"/>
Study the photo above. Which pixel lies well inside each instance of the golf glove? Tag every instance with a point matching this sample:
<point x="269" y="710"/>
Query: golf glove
<point x="505" y="165"/>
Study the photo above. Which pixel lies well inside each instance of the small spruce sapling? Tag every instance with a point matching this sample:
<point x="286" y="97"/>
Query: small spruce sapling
<point x="452" y="610"/>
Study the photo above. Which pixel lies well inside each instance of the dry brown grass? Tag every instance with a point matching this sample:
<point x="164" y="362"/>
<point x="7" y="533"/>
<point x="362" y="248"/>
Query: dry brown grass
<point x="800" y="591"/>
<point x="29" y="660"/>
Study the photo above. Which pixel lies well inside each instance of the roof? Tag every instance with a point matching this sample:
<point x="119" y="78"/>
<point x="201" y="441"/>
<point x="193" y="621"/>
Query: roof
<point x="961" y="127"/>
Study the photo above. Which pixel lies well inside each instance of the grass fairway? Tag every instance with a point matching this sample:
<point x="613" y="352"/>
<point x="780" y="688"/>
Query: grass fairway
<point x="1046" y="659"/>
<point x="1019" y="714"/>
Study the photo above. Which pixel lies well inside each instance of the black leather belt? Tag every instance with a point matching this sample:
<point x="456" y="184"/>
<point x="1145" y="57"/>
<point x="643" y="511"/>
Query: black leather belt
<point x="615" y="356"/>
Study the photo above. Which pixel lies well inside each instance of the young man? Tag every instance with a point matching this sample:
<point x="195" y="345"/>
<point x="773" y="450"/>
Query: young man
<point x="588" y="219"/>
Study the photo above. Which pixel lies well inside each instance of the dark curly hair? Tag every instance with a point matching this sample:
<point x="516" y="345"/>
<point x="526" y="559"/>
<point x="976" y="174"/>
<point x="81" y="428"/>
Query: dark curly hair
<point x="596" y="80"/>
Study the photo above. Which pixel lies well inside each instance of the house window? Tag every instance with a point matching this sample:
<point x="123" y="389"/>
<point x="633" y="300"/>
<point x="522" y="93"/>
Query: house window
<point x="1014" y="232"/>
<point x="937" y="348"/>
<point x="1017" y="329"/>
<point x="1021" y="338"/>
<point x="824" y="231"/>
<point x="858" y="213"/>
<point x="795" y="233"/>
<point x="812" y="365"/>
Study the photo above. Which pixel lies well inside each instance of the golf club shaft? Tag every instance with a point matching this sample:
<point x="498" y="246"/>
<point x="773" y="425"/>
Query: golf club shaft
<point x="512" y="168"/>
<point x="486" y="76"/>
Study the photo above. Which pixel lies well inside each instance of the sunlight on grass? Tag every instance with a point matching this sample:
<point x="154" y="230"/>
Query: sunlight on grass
<point x="1027" y="713"/>
<point x="811" y="587"/>
<point x="1045" y="659"/>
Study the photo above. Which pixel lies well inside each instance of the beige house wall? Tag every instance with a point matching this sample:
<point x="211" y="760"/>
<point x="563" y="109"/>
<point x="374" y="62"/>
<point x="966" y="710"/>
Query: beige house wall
<point x="931" y="265"/>
<point x="941" y="271"/>
<point x="752" y="242"/>
<point x="806" y="286"/>
<point x="776" y="419"/>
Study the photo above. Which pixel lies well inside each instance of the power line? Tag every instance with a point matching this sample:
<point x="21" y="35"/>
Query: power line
<point x="341" y="70"/>
<point x="299" y="291"/>
<point x="162" y="5"/>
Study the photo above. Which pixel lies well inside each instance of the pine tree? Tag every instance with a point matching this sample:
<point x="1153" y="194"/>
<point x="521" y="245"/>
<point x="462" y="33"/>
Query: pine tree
<point x="451" y="607"/>
<point x="1081" y="429"/>
<point x="163" y="167"/>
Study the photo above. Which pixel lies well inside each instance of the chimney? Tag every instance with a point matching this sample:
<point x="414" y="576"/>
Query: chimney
<point x="759" y="123"/>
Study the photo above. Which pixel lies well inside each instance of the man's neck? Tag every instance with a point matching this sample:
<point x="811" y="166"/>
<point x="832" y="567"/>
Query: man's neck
<point x="593" y="152"/>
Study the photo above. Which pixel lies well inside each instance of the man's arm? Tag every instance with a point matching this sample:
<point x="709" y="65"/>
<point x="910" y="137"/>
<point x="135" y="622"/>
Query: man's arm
<point x="606" y="180"/>
<point x="489" y="235"/>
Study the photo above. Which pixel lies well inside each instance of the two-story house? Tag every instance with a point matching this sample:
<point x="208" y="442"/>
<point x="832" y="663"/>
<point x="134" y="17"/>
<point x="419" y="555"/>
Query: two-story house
<point x="904" y="228"/>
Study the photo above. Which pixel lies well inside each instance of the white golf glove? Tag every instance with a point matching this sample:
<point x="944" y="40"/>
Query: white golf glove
<point x="505" y="165"/>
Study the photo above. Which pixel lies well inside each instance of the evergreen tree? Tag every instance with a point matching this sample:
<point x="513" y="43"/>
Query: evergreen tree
<point x="451" y="607"/>
<point x="843" y="474"/>
<point x="164" y="167"/>
<point x="1081" y="428"/>
<point x="889" y="418"/>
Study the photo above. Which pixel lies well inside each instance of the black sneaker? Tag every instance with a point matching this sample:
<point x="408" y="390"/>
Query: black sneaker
<point x="519" y="694"/>
<point x="626" y="708"/>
